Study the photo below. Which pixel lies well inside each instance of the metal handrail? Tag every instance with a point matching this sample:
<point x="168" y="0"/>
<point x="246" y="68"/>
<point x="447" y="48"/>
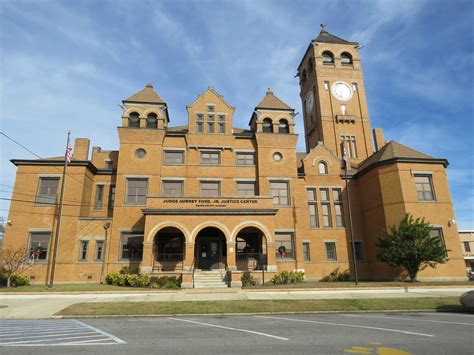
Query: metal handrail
<point x="193" y="267"/>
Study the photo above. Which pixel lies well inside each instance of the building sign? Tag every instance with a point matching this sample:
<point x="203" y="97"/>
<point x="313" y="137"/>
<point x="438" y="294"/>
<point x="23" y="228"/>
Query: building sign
<point x="205" y="202"/>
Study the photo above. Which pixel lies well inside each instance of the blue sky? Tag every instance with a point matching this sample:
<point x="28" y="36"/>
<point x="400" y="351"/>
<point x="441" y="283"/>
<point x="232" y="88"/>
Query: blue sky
<point x="67" y="64"/>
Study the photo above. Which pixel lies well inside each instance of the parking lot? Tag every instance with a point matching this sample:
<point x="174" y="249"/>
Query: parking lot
<point x="364" y="333"/>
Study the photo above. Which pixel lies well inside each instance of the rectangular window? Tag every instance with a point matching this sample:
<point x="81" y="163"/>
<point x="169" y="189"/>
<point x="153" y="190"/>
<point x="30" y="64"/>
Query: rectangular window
<point x="313" y="209"/>
<point x="47" y="190"/>
<point x="221" y="121"/>
<point x="359" y="255"/>
<point x="83" y="250"/>
<point x="280" y="193"/>
<point x="306" y="251"/>
<point x="246" y="188"/>
<point x="136" y="191"/>
<point x="200" y="123"/>
<point x="467" y="247"/>
<point x="210" y="108"/>
<point x="99" y="250"/>
<point x="284" y="246"/>
<point x="174" y="157"/>
<point x="172" y="188"/>
<point x="109" y="164"/>
<point x="210" y="158"/>
<point x="210" y="123"/>
<point x="424" y="188"/>
<point x="349" y="143"/>
<point x="111" y="197"/>
<point x="245" y="159"/>
<point x="438" y="233"/>
<point x="131" y="246"/>
<point x="338" y="212"/>
<point x="99" y="197"/>
<point x="325" y="208"/>
<point x="330" y="251"/>
<point x="39" y="245"/>
<point x="210" y="188"/>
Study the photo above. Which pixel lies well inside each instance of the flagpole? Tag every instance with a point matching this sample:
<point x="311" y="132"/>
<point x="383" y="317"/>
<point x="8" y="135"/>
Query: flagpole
<point x="348" y="197"/>
<point x="56" y="235"/>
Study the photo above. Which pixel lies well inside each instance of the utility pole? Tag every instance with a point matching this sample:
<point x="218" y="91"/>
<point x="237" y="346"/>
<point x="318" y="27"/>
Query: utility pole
<point x="354" y="262"/>
<point x="67" y="159"/>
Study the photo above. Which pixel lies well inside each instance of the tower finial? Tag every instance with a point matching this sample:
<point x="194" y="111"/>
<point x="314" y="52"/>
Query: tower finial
<point x="269" y="91"/>
<point x="323" y="27"/>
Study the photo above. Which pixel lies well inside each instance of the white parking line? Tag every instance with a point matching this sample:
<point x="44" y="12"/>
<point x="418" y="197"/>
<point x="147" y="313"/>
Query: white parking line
<point x="114" y="338"/>
<point x="408" y="319"/>
<point x="229" y="328"/>
<point x="38" y="331"/>
<point x="84" y="332"/>
<point x="53" y="339"/>
<point x="348" y="325"/>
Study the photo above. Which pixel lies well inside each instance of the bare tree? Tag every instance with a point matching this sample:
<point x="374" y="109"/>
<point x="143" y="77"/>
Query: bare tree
<point x="14" y="261"/>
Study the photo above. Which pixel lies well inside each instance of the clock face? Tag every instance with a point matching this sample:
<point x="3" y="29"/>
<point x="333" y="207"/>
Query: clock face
<point x="309" y="102"/>
<point x="341" y="91"/>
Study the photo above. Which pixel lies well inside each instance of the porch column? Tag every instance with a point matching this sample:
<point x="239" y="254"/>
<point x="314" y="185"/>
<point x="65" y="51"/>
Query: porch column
<point x="231" y="264"/>
<point x="146" y="266"/>
<point x="189" y="257"/>
<point x="271" y="259"/>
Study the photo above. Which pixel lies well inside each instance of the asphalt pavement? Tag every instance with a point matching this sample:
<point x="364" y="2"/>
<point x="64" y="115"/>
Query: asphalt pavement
<point x="342" y="333"/>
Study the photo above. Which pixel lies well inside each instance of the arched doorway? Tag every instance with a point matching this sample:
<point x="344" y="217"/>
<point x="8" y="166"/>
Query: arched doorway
<point x="250" y="249"/>
<point x="210" y="249"/>
<point x="169" y="250"/>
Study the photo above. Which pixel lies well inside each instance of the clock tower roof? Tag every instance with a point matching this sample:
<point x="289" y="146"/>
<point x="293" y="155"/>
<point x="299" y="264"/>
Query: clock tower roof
<point x="326" y="37"/>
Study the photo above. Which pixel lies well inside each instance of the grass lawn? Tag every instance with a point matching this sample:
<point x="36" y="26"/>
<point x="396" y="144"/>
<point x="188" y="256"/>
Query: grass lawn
<point x="362" y="284"/>
<point x="273" y="306"/>
<point x="70" y="288"/>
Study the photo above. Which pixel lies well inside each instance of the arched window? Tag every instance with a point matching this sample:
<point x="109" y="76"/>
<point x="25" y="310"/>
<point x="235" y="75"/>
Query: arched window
<point x="346" y="58"/>
<point x="322" y="168"/>
<point x="267" y="125"/>
<point x="152" y="121"/>
<point x="328" y="57"/>
<point x="134" y="120"/>
<point x="283" y="126"/>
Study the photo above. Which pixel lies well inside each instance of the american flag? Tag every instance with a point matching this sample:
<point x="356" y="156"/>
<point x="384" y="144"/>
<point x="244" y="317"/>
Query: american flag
<point x="68" y="153"/>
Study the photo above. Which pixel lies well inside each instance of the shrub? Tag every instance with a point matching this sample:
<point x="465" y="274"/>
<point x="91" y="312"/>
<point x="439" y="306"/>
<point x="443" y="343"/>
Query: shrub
<point x="15" y="280"/>
<point x="143" y="280"/>
<point x="286" y="277"/>
<point x="133" y="279"/>
<point x="129" y="270"/>
<point x="171" y="282"/>
<point x="337" y="276"/>
<point x="247" y="279"/>
<point x="122" y="280"/>
<point x="112" y="278"/>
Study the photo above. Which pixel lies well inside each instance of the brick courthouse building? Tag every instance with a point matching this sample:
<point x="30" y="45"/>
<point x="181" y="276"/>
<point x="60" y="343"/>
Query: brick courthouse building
<point x="209" y="196"/>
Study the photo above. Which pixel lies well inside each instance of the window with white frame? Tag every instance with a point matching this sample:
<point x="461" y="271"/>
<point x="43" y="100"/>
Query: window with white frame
<point x="349" y="144"/>
<point x="221" y="123"/>
<point x="246" y="188"/>
<point x="39" y="245"/>
<point x="174" y="157"/>
<point x="200" y="123"/>
<point x="99" y="197"/>
<point x="210" y="123"/>
<point x="83" y="250"/>
<point x="111" y="197"/>
<point x="210" y="188"/>
<point x="210" y="158"/>
<point x="306" y="251"/>
<point x="338" y="212"/>
<point x="313" y="208"/>
<point x="280" y="193"/>
<point x="172" y="188"/>
<point x="99" y="250"/>
<point x="424" y="187"/>
<point x="244" y="158"/>
<point x="136" y="191"/>
<point x="131" y="246"/>
<point x="331" y="254"/>
<point x="437" y="232"/>
<point x="467" y="247"/>
<point x="47" y="190"/>
<point x="284" y="245"/>
<point x="322" y="168"/>
<point x="325" y="207"/>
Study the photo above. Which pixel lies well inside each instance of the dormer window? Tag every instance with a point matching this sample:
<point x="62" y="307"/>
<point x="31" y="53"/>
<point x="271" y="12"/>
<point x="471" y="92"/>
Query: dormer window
<point x="210" y="108"/>
<point x="283" y="126"/>
<point x="210" y="123"/>
<point x="328" y="57"/>
<point x="200" y="123"/>
<point x="221" y="122"/>
<point x="322" y="168"/>
<point x="346" y="58"/>
<point x="134" y="120"/>
<point x="267" y="125"/>
<point x="152" y="121"/>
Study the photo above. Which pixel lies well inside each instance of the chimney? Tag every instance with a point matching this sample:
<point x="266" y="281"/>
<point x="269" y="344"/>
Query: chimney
<point x="81" y="149"/>
<point x="378" y="138"/>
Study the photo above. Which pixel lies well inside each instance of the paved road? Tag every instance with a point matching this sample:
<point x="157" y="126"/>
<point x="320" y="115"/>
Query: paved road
<point x="44" y="305"/>
<point x="366" y="333"/>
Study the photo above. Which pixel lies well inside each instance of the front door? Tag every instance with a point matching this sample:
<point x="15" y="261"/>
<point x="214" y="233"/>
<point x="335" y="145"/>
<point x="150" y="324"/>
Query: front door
<point x="209" y="251"/>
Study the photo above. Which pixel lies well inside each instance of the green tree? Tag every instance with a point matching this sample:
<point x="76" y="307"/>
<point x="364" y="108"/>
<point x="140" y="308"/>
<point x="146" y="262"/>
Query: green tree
<point x="411" y="247"/>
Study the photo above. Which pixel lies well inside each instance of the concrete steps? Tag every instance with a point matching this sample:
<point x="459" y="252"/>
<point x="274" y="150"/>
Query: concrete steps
<point x="210" y="279"/>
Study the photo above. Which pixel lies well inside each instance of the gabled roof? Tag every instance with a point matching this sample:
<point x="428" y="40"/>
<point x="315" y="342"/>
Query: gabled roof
<point x="326" y="37"/>
<point x="212" y="90"/>
<point x="270" y="101"/>
<point x="393" y="151"/>
<point x="146" y="95"/>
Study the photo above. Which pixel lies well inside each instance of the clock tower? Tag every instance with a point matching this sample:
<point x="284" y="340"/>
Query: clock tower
<point x="333" y="96"/>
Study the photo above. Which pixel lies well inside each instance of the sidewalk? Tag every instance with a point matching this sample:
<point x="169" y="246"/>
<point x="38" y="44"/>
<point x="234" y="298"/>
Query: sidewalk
<point x="32" y="306"/>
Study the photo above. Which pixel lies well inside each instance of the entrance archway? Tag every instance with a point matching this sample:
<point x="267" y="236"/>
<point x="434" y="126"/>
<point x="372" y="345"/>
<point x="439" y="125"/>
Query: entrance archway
<point x="250" y="249"/>
<point x="210" y="249"/>
<point x="169" y="250"/>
